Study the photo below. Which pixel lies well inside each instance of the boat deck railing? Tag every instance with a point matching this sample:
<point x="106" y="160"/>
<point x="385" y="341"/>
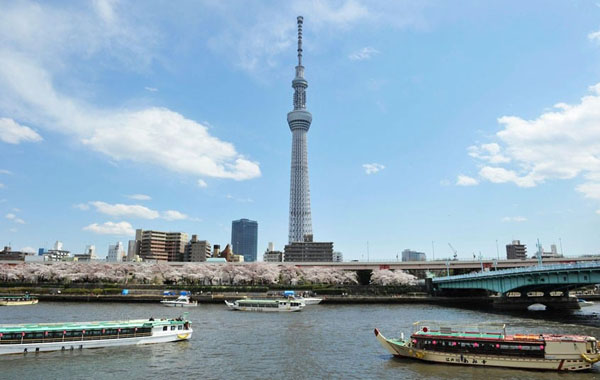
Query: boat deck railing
<point x="78" y="338"/>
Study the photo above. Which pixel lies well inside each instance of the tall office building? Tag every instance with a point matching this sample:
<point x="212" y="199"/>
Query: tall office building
<point x="309" y="251"/>
<point x="300" y="223"/>
<point x="516" y="250"/>
<point x="244" y="238"/>
<point x="175" y="245"/>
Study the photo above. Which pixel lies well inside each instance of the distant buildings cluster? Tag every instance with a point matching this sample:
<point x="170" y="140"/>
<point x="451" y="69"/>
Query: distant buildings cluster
<point x="518" y="251"/>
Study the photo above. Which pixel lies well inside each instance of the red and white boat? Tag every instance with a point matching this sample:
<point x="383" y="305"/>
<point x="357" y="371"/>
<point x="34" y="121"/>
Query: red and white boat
<point x="450" y="345"/>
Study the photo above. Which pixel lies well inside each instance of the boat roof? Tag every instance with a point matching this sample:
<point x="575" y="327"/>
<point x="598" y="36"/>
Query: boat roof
<point x="521" y="338"/>
<point x="32" y="327"/>
<point x="257" y="301"/>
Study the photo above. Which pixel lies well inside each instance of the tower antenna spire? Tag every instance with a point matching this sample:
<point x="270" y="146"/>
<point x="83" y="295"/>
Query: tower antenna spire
<point x="300" y="21"/>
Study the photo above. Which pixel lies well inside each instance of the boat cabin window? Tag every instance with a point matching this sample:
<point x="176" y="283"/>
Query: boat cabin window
<point x="173" y="327"/>
<point x="165" y="328"/>
<point x="180" y="327"/>
<point x="481" y="347"/>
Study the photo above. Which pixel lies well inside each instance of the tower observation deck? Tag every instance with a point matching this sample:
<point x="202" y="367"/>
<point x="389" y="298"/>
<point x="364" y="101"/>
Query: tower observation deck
<point x="299" y="122"/>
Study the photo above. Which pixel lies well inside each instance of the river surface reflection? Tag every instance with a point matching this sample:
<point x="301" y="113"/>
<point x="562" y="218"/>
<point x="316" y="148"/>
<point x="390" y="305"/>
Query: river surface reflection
<point x="320" y="342"/>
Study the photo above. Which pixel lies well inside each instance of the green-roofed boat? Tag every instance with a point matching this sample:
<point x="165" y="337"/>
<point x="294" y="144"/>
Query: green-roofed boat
<point x="18" y="300"/>
<point x="26" y="338"/>
<point x="472" y="346"/>
<point x="266" y="305"/>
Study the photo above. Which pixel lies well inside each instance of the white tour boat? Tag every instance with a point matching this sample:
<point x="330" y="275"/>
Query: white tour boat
<point x="450" y="345"/>
<point x="18" y="300"/>
<point x="27" y="338"/>
<point x="309" y="300"/>
<point x="266" y="305"/>
<point x="181" y="301"/>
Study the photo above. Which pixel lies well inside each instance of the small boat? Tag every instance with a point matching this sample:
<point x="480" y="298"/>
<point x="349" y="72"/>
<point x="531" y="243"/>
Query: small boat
<point x="18" y="300"/>
<point x="309" y="300"/>
<point x="584" y="303"/>
<point x="266" y="305"/>
<point x="181" y="301"/>
<point x="495" y="348"/>
<point x="27" y="338"/>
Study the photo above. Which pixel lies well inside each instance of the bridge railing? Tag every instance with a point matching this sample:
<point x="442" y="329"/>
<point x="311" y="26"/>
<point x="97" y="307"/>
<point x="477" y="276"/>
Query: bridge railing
<point x="530" y="269"/>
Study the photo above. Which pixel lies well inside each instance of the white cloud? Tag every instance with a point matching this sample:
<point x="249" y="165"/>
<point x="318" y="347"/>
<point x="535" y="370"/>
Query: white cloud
<point x="110" y="228"/>
<point x="589" y="190"/>
<point x="13" y="217"/>
<point x="202" y="183"/>
<point x="594" y="36"/>
<point x="363" y="54"/>
<point x="242" y="200"/>
<point x="516" y="219"/>
<point x="488" y="152"/>
<point x="151" y="89"/>
<point x="501" y="175"/>
<point x="171" y="215"/>
<point x="12" y="132"/>
<point x="4" y="171"/>
<point x="1" y="185"/>
<point x="35" y="53"/>
<point x="562" y="143"/>
<point x="82" y="206"/>
<point x="464" y="180"/>
<point x="140" y="197"/>
<point x="119" y="209"/>
<point x="598" y="212"/>
<point x="373" y="168"/>
<point x="257" y="41"/>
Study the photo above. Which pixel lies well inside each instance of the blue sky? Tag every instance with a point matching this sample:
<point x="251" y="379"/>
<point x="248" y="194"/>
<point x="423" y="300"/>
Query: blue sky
<point x="464" y="124"/>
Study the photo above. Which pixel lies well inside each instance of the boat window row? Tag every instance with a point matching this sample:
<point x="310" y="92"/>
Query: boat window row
<point x="67" y="335"/>
<point x="481" y="347"/>
<point x="270" y="304"/>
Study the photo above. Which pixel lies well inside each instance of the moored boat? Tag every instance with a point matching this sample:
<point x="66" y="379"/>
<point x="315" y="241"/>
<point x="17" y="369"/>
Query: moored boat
<point x="181" y="301"/>
<point x="18" y="300"/>
<point x="309" y="300"/>
<point x="497" y="349"/>
<point x="584" y="303"/>
<point x="266" y="305"/>
<point x="26" y="338"/>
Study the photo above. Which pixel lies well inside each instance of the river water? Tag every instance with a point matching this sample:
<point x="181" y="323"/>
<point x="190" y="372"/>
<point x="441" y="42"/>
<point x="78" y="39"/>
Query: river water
<point x="334" y="342"/>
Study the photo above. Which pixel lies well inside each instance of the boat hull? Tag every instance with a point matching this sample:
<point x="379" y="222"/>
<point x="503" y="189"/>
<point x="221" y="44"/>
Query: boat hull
<point x="18" y="303"/>
<point x="191" y="304"/>
<point x="162" y="337"/>
<point x="233" y="306"/>
<point x="401" y="348"/>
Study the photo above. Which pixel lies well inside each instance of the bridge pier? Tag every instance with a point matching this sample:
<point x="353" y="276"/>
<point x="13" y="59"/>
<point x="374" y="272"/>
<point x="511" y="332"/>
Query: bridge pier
<point x="523" y="302"/>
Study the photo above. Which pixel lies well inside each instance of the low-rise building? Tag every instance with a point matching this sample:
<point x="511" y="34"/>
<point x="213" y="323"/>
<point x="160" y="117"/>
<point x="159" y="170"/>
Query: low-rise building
<point x="308" y="251"/>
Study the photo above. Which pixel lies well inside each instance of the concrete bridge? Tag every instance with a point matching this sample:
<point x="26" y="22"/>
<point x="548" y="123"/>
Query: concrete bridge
<point x="546" y="284"/>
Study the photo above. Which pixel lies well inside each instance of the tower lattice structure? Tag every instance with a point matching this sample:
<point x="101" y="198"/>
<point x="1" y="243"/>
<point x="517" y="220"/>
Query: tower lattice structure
<point x="299" y="122"/>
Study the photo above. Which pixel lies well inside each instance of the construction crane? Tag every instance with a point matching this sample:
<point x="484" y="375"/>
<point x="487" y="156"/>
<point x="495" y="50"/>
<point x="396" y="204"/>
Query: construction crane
<point x="454" y="251"/>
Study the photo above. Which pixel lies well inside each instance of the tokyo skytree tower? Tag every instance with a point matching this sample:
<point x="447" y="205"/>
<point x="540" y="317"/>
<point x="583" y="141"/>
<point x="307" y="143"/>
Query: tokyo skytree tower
<point x="299" y="121"/>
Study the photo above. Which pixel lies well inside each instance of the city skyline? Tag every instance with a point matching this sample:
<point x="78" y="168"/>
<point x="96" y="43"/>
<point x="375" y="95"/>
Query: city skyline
<point x="474" y="126"/>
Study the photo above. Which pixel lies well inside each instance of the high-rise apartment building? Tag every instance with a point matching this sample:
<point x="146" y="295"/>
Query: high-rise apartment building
<point x="161" y="246"/>
<point x="516" y="251"/>
<point x="244" y="238"/>
<point x="197" y="250"/>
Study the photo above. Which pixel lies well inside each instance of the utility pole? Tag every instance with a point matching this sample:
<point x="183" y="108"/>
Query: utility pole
<point x="432" y="251"/>
<point x="560" y="242"/>
<point x="497" y="250"/>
